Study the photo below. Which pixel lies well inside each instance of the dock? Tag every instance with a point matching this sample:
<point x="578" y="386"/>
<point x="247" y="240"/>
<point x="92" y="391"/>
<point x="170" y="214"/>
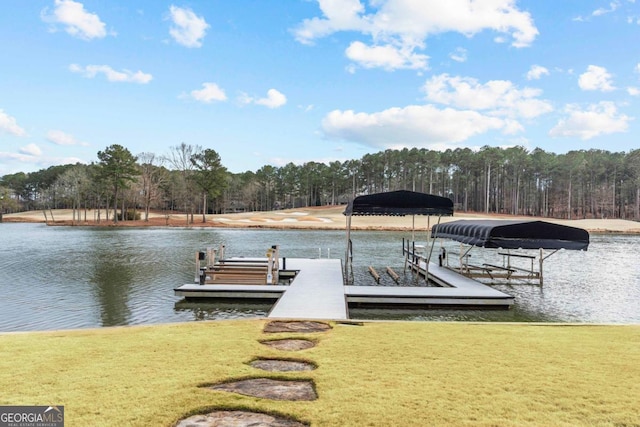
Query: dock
<point x="453" y="290"/>
<point x="318" y="292"/>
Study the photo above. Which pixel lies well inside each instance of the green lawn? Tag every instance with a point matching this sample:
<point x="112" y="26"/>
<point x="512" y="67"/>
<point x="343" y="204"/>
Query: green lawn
<point x="378" y="374"/>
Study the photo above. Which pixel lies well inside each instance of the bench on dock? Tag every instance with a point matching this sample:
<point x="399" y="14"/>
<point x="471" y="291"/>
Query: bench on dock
<point x="239" y="268"/>
<point x="240" y="271"/>
<point x="213" y="277"/>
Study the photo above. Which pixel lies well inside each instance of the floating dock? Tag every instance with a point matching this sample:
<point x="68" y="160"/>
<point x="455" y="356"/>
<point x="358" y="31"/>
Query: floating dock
<point x="453" y="290"/>
<point x="318" y="292"/>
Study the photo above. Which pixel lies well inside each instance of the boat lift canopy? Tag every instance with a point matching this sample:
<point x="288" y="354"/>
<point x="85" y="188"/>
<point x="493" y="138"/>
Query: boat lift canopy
<point x="400" y="203"/>
<point x="508" y="234"/>
<point x="394" y="203"/>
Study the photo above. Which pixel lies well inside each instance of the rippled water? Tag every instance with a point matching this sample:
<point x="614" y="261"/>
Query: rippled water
<point x="68" y="277"/>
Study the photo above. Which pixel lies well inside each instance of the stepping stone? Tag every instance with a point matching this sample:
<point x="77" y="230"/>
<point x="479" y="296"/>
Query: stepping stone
<point x="280" y="365"/>
<point x="238" y="419"/>
<point x="289" y="344"/>
<point x="296" y="326"/>
<point x="271" y="389"/>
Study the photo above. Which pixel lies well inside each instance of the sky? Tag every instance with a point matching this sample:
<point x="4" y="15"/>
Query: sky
<point x="268" y="82"/>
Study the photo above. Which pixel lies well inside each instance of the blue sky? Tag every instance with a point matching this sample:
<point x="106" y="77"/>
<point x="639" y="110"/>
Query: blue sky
<point x="271" y="82"/>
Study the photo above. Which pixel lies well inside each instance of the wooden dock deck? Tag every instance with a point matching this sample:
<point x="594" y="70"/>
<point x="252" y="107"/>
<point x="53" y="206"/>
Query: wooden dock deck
<point x="318" y="292"/>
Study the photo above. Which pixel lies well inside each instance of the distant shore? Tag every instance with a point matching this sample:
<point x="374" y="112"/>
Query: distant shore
<point x="324" y="217"/>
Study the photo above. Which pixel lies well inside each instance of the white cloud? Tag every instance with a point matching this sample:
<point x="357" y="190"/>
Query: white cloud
<point x="90" y="71"/>
<point x="459" y="55"/>
<point x="470" y="108"/>
<point x="30" y="150"/>
<point x="633" y="91"/>
<point x="59" y="137"/>
<point x="274" y="99"/>
<point x="340" y="16"/>
<point x="603" y="11"/>
<point x="536" y="72"/>
<point x="385" y="56"/>
<point x="496" y="97"/>
<point x="399" y="27"/>
<point x="597" y="119"/>
<point x="637" y="68"/>
<point x="596" y="78"/>
<point x="188" y="29"/>
<point x="76" y="20"/>
<point x="414" y="125"/>
<point x="8" y="124"/>
<point x="210" y="92"/>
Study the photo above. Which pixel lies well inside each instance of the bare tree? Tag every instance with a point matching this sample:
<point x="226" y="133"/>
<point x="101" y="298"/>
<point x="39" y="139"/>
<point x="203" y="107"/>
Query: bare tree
<point x="152" y="177"/>
<point x="180" y="159"/>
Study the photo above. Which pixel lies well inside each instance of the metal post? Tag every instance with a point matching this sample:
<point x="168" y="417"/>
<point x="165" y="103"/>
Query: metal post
<point x="197" y="277"/>
<point x="346" y="257"/>
<point x="276" y="262"/>
<point x="433" y="241"/>
<point x="270" y="266"/>
<point x="541" y="262"/>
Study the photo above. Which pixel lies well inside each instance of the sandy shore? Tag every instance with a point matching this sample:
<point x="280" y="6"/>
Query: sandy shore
<point x="325" y="217"/>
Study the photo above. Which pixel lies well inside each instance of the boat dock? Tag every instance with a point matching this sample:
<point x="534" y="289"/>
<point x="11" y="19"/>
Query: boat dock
<point x="453" y="290"/>
<point x="318" y="292"/>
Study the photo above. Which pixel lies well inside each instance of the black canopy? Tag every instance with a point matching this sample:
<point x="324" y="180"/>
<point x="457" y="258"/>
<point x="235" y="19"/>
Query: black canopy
<point x="400" y="203"/>
<point x="513" y="234"/>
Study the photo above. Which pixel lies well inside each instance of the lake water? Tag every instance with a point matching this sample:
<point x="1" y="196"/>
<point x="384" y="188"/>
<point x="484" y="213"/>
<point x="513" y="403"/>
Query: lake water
<point x="80" y="277"/>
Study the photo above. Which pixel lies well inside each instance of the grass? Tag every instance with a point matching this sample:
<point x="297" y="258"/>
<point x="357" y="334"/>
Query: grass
<point x="378" y="374"/>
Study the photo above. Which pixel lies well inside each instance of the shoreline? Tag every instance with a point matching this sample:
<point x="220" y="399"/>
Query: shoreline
<point x="310" y="218"/>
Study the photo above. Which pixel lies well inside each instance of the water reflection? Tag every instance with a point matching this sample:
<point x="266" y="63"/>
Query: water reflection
<point x="77" y="277"/>
<point x="112" y="280"/>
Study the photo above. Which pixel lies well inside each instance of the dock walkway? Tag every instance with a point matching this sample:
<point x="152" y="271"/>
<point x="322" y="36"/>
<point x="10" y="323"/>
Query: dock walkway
<point x="316" y="293"/>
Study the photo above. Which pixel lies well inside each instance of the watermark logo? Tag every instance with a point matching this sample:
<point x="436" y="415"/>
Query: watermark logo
<point x="31" y="416"/>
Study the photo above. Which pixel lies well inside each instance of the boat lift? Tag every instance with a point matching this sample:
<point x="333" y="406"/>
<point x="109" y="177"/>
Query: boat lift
<point x="507" y="236"/>
<point x="393" y="203"/>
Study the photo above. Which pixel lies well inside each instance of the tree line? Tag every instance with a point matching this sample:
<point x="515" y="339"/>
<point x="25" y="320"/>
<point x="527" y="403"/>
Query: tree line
<point x="191" y="179"/>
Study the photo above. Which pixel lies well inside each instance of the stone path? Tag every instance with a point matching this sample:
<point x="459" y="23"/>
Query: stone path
<point x="271" y="389"/>
<point x="289" y="344"/>
<point x="282" y="365"/>
<point x="267" y="388"/>
<point x="297" y="326"/>
<point x="238" y="419"/>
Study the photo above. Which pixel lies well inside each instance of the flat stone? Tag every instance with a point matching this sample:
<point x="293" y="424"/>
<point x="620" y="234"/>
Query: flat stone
<point x="267" y="388"/>
<point x="296" y="326"/>
<point x="289" y="344"/>
<point x="238" y="419"/>
<point x="280" y="365"/>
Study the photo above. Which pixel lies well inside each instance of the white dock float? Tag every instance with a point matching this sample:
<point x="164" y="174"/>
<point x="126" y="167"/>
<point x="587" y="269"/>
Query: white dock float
<point x="231" y="291"/>
<point x="316" y="293"/>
